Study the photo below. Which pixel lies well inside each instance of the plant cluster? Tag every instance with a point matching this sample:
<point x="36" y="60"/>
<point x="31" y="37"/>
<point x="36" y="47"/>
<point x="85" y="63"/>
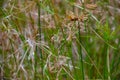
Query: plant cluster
<point x="59" y="39"/>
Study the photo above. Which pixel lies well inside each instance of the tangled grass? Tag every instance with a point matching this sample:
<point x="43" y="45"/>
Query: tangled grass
<point x="59" y="39"/>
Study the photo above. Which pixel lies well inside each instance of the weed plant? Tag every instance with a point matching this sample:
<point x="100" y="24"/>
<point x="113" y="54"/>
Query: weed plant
<point x="59" y="39"/>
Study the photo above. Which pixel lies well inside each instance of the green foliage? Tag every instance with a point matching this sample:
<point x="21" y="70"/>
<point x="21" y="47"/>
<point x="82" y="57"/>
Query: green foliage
<point x="57" y="39"/>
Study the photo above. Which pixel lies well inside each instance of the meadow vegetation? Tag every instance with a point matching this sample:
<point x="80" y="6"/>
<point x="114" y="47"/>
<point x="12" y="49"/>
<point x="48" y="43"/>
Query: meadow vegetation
<point x="59" y="39"/>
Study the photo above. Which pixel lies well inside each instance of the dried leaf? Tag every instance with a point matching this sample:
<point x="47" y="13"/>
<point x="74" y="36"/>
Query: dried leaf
<point x="91" y="6"/>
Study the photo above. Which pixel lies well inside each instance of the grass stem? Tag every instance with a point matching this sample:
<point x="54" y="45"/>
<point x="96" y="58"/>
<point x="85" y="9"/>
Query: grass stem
<point x="80" y="52"/>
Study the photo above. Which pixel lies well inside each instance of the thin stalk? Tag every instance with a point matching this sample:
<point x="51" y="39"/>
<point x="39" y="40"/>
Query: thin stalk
<point x="108" y="64"/>
<point x="39" y="23"/>
<point x="80" y="48"/>
<point x="80" y="52"/>
<point x="105" y="61"/>
<point x="11" y="43"/>
<point x="40" y="32"/>
<point x="38" y="50"/>
<point x="73" y="62"/>
<point x="35" y="66"/>
<point x="72" y="59"/>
